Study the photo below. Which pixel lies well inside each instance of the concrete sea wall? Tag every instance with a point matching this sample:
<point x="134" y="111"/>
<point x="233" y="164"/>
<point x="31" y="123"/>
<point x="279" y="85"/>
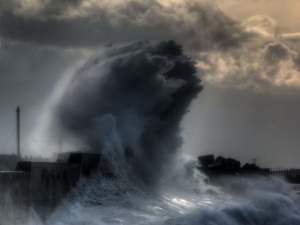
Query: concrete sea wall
<point x="41" y="185"/>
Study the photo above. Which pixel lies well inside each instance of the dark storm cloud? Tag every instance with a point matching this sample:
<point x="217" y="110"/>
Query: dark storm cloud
<point x="56" y="7"/>
<point x="269" y="62"/>
<point x="131" y="101"/>
<point x="276" y="51"/>
<point x="271" y="67"/>
<point x="39" y="7"/>
<point x="198" y="25"/>
<point x="80" y="33"/>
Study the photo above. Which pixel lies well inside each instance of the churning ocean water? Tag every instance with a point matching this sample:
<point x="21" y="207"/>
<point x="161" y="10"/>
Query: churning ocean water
<point x="127" y="103"/>
<point x="126" y="200"/>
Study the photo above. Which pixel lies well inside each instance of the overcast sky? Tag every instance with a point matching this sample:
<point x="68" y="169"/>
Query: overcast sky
<point x="247" y="54"/>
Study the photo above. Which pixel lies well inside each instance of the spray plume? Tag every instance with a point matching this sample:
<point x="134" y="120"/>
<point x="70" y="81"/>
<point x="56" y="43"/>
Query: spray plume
<point x="129" y="102"/>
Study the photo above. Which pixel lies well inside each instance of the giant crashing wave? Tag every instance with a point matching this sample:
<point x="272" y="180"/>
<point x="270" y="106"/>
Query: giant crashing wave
<point x="127" y="103"/>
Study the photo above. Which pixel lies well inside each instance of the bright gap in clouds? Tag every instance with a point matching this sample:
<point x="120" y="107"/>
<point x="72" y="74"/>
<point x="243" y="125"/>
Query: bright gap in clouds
<point x="286" y="13"/>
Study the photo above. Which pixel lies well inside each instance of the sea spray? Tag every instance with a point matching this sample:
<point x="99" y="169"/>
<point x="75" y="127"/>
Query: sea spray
<point x="127" y="104"/>
<point x="256" y="201"/>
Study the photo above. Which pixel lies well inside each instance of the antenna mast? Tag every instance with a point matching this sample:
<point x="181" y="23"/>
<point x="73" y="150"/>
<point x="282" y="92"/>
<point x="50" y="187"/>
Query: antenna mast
<point x="18" y="131"/>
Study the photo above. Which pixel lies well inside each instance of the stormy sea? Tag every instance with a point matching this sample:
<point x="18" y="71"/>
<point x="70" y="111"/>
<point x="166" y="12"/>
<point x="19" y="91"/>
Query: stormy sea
<point x="127" y="103"/>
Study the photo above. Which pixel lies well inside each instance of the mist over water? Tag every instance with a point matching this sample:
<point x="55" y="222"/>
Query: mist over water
<point x="127" y="104"/>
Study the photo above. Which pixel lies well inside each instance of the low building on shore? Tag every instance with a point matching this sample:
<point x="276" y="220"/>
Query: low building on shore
<point x="41" y="185"/>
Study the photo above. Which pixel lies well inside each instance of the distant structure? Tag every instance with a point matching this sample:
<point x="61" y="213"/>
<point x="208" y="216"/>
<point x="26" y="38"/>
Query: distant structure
<point x="218" y="167"/>
<point x="36" y="159"/>
<point x="291" y="175"/>
<point x="8" y="162"/>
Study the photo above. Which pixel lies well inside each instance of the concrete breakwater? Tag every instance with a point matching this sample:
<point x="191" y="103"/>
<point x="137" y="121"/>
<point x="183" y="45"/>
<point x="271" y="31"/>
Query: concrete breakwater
<point x="41" y="185"/>
<point x="217" y="168"/>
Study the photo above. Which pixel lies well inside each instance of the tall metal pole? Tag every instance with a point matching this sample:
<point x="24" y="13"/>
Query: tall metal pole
<point x="60" y="141"/>
<point x="18" y="132"/>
